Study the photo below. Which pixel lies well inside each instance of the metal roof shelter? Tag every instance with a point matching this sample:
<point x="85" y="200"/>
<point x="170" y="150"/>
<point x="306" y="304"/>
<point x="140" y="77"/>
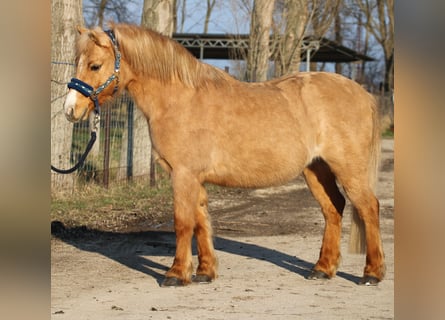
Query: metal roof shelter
<point x="234" y="47"/>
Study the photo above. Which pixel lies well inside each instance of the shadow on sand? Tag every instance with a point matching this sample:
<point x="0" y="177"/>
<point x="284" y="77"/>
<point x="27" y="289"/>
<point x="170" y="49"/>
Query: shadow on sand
<point x="134" y="249"/>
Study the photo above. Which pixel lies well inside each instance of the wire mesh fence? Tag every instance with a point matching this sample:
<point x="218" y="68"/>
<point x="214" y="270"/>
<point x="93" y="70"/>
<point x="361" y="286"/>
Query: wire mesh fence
<point x="122" y="151"/>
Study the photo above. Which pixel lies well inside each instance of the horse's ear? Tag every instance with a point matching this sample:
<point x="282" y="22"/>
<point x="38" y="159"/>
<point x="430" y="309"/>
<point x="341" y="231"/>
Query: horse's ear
<point x="92" y="35"/>
<point x="98" y="37"/>
<point x="81" y="29"/>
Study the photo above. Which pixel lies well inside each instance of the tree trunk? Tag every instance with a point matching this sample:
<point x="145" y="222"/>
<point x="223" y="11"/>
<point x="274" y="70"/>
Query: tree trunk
<point x="295" y="19"/>
<point x="338" y="39"/>
<point x="101" y="12"/>
<point x="183" y="14"/>
<point x="381" y="25"/>
<point x="387" y="30"/>
<point x="66" y="15"/>
<point x="210" y="5"/>
<point x="158" y="15"/>
<point x="259" y="51"/>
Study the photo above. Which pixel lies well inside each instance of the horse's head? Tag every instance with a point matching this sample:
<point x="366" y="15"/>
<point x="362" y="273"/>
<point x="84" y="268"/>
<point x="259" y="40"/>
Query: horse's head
<point x="97" y="74"/>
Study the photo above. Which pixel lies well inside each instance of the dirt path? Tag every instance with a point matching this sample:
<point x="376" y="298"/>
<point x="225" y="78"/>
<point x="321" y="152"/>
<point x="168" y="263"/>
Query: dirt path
<point x="267" y="241"/>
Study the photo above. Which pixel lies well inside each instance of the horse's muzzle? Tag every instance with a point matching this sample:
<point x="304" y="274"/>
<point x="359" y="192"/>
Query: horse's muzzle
<point x="69" y="114"/>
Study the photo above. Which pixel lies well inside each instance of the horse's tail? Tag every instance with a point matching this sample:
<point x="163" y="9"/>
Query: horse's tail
<point x="357" y="241"/>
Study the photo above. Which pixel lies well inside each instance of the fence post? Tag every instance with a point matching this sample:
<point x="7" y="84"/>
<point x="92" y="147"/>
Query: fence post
<point x="130" y="121"/>
<point x="152" y="170"/>
<point x="107" y="110"/>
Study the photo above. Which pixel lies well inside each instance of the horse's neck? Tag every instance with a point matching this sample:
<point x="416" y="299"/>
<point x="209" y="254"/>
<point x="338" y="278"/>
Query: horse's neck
<point x="153" y="97"/>
<point x="147" y="90"/>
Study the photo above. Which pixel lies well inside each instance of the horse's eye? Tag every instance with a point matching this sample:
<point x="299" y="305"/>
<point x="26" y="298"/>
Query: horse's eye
<point x="95" y="67"/>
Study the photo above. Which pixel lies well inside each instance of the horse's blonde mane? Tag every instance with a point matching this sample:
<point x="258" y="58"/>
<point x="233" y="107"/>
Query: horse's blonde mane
<point x="158" y="56"/>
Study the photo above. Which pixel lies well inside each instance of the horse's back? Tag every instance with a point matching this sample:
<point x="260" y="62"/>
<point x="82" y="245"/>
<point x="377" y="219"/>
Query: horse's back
<point x="326" y="94"/>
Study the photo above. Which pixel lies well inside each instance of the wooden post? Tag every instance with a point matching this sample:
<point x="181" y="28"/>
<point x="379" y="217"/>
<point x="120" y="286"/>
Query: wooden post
<point x="152" y="171"/>
<point x="106" y="177"/>
<point x="130" y="123"/>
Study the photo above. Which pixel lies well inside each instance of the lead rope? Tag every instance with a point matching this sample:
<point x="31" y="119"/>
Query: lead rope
<point x="94" y="122"/>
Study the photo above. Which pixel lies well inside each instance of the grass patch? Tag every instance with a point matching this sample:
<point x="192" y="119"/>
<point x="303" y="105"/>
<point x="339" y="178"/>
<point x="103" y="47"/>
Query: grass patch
<point x="133" y="206"/>
<point x="388" y="133"/>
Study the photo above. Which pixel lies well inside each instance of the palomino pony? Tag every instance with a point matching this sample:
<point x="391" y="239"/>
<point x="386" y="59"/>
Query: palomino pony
<point x="206" y="126"/>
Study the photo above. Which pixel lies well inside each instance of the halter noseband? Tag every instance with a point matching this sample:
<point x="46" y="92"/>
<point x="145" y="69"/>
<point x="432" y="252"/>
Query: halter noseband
<point x="88" y="91"/>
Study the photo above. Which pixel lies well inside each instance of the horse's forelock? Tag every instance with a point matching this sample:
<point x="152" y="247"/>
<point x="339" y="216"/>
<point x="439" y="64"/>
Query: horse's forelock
<point x="81" y="46"/>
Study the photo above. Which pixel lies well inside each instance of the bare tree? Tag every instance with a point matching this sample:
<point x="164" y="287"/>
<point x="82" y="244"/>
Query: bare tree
<point x="338" y="36"/>
<point x="209" y="9"/>
<point x="379" y="15"/>
<point x="259" y="38"/>
<point x="322" y="14"/>
<point x="362" y="46"/>
<point x="66" y="15"/>
<point x="183" y="9"/>
<point x="98" y="12"/>
<point x="295" y="19"/>
<point x="292" y="20"/>
<point x="290" y="26"/>
<point x="101" y="11"/>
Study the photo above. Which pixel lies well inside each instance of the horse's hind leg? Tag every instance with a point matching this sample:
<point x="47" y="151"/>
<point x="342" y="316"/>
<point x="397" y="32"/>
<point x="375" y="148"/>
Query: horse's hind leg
<point x="321" y="182"/>
<point x="206" y="271"/>
<point x="363" y="199"/>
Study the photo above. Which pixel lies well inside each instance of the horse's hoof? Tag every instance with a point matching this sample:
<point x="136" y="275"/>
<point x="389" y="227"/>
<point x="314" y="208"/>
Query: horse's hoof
<point x="369" y="281"/>
<point x="201" y="279"/>
<point x="172" y="282"/>
<point x="316" y="275"/>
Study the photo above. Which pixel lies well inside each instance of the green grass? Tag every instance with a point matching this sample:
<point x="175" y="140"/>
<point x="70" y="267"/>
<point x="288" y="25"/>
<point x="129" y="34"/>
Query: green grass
<point x="121" y="207"/>
<point x="388" y="133"/>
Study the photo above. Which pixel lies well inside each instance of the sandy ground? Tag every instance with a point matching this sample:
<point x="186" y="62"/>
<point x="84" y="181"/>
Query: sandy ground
<point x="266" y="240"/>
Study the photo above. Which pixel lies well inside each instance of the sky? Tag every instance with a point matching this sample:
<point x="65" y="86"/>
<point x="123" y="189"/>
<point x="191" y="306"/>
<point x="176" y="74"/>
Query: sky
<point x="223" y="20"/>
<point x="226" y="18"/>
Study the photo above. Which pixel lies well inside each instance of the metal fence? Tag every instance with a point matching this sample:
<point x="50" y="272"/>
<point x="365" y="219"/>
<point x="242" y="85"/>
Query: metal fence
<point x="122" y="151"/>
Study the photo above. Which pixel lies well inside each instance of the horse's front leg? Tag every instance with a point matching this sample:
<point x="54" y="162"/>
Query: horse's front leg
<point x="186" y="195"/>
<point x="191" y="216"/>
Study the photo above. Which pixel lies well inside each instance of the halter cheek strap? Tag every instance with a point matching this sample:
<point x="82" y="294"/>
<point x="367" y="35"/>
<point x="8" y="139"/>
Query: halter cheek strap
<point x="87" y="90"/>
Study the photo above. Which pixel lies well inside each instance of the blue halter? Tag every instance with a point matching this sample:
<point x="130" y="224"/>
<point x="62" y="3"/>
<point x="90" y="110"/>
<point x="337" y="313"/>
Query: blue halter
<point x="87" y="90"/>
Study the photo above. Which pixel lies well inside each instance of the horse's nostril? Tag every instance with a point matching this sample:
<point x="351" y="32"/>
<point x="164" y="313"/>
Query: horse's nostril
<point x="69" y="114"/>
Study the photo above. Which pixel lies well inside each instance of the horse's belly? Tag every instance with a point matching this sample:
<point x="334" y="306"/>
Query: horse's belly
<point x="256" y="168"/>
